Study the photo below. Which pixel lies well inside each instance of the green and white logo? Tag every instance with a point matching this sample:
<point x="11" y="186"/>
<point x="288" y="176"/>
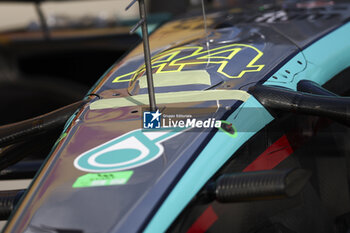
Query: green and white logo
<point x="103" y="179"/>
<point x="130" y="150"/>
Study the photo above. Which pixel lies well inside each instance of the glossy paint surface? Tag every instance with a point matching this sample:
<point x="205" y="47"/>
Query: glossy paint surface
<point x="236" y="56"/>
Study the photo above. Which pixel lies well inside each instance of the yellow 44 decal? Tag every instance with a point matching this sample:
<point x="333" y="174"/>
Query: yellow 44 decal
<point x="223" y="57"/>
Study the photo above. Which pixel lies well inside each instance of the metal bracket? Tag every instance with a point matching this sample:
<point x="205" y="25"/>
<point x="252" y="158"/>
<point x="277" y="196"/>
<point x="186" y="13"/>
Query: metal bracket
<point x="146" y="49"/>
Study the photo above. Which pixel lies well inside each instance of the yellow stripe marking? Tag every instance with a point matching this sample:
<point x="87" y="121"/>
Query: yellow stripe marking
<point x="171" y="98"/>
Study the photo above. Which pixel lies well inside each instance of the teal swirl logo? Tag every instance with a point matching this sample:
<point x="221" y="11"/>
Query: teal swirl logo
<point x="130" y="150"/>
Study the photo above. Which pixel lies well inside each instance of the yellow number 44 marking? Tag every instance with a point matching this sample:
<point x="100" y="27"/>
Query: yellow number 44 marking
<point x="177" y="59"/>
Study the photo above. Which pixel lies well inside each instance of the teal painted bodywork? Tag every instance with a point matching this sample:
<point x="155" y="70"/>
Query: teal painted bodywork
<point x="316" y="65"/>
<point x="209" y="161"/>
<point x="310" y="64"/>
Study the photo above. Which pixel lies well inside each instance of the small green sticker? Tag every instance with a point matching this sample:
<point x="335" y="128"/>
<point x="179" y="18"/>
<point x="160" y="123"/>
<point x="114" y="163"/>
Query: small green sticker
<point x="228" y="128"/>
<point x="103" y="179"/>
